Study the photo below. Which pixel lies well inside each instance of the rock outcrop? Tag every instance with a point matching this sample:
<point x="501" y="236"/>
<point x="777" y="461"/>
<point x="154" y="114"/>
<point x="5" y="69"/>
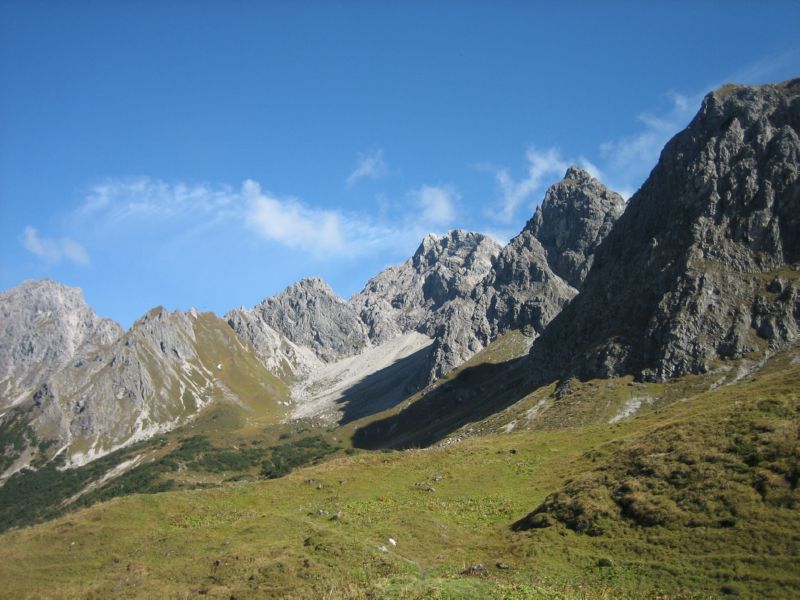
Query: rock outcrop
<point x="576" y="214"/>
<point x="536" y="274"/>
<point x="310" y="314"/>
<point x="703" y="265"/>
<point x="43" y="326"/>
<point x="157" y="376"/>
<point x="415" y="295"/>
<point x="277" y="353"/>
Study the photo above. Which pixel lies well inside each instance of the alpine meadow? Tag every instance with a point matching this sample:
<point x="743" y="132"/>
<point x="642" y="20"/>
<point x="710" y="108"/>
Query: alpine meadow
<point x="586" y="388"/>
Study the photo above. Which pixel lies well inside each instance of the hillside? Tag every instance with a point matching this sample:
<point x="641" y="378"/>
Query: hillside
<point x="156" y="377"/>
<point x="696" y="498"/>
<point x="606" y="407"/>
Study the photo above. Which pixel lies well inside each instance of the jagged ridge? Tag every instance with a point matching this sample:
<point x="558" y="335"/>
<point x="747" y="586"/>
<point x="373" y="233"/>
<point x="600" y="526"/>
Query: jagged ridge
<point x="702" y="265"/>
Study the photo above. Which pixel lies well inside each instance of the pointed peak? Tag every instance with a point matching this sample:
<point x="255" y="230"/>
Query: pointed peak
<point x="307" y="286"/>
<point x="311" y="283"/>
<point x="454" y="235"/>
<point x="575" y="173"/>
<point x="454" y="241"/>
<point x="45" y="285"/>
<point x="155" y="313"/>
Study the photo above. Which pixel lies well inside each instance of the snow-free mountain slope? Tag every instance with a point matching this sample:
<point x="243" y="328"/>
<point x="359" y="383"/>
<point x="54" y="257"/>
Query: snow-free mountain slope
<point x="281" y="356"/>
<point x="576" y="214"/>
<point x="536" y="274"/>
<point x="310" y="314"/>
<point x="703" y="264"/>
<point x="43" y="325"/>
<point x="367" y="383"/>
<point x="414" y="296"/>
<point x="159" y="375"/>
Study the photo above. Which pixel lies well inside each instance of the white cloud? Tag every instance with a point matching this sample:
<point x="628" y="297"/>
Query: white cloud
<point x="331" y="234"/>
<point x="370" y="165"/>
<point x="151" y="208"/>
<point x="293" y="224"/>
<point x="54" y="250"/>
<point x="542" y="166"/>
<point x="118" y="200"/>
<point x="629" y="160"/>
<point x="591" y="168"/>
<point x="764" y="70"/>
<point x="436" y="205"/>
<point x="326" y="234"/>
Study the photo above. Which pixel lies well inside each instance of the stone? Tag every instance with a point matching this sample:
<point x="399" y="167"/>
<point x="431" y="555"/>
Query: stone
<point x="310" y="315"/>
<point x="681" y="279"/>
<point x="45" y="326"/>
<point x="536" y="274"/>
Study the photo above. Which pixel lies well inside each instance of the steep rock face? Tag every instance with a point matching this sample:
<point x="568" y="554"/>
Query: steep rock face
<point x="414" y="296"/>
<point x="576" y="215"/>
<point x="276" y="352"/>
<point x="529" y="282"/>
<point x="310" y="314"/>
<point x="703" y="264"/>
<point x="43" y="325"/>
<point x="157" y="376"/>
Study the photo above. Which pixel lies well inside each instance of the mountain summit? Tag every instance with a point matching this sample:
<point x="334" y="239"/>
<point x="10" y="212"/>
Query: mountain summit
<point x="703" y="264"/>
<point x="536" y="274"/>
<point x="414" y="296"/>
<point x="43" y="325"/>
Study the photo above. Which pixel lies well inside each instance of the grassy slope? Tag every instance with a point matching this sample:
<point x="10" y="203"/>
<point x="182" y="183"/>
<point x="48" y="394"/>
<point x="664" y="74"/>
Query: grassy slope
<point x="277" y="537"/>
<point x="246" y="414"/>
<point x="478" y="388"/>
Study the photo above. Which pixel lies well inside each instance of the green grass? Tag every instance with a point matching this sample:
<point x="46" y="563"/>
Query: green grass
<point x="243" y="394"/>
<point x="168" y="463"/>
<point x="694" y="498"/>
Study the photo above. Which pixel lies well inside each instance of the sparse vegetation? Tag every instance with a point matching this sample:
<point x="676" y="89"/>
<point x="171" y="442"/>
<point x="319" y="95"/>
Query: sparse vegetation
<point x="31" y="496"/>
<point x="694" y="499"/>
<point x="15" y="435"/>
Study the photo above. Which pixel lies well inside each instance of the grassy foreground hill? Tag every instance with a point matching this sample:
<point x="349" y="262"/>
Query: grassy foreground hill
<point x="694" y="498"/>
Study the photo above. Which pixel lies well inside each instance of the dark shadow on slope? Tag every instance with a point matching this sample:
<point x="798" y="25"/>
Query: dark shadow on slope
<point x="386" y="388"/>
<point x="472" y="395"/>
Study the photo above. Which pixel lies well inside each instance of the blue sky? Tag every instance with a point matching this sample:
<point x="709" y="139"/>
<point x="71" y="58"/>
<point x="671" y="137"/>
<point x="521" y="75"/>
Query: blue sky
<point x="209" y="154"/>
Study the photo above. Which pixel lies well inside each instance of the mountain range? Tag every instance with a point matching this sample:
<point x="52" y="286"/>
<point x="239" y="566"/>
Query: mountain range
<point x="692" y="283"/>
<point x="88" y="388"/>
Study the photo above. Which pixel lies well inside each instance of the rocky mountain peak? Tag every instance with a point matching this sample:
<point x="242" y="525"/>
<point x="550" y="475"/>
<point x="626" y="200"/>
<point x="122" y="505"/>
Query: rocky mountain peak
<point x="310" y="285"/>
<point x="456" y="249"/>
<point x="411" y="296"/>
<point x="536" y="274"/>
<point x="682" y="277"/>
<point x="575" y="173"/>
<point x="309" y="313"/>
<point x="43" y="324"/>
<point x="171" y="332"/>
<point x="575" y="216"/>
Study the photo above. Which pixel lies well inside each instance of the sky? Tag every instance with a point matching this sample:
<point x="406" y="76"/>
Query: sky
<point x="209" y="154"/>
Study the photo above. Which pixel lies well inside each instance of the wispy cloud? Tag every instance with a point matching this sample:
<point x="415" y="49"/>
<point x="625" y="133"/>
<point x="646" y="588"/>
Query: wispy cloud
<point x="371" y="165"/>
<point x="542" y="165"/>
<point x="436" y="204"/>
<point x="762" y="70"/>
<point x="291" y="223"/>
<point x="141" y="205"/>
<point x="117" y="200"/>
<point x="54" y="251"/>
<point x="328" y="234"/>
<point x="628" y="160"/>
